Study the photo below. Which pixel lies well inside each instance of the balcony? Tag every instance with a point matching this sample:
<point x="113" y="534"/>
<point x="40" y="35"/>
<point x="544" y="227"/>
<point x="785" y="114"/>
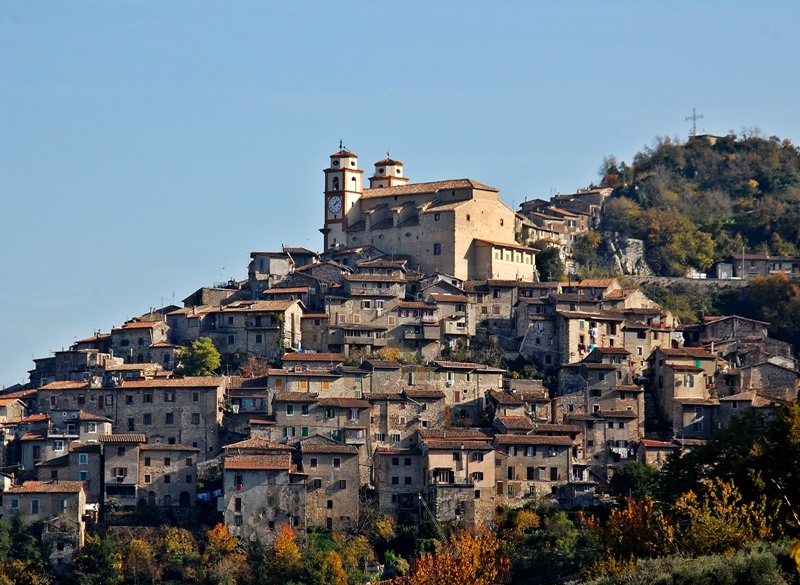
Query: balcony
<point x="430" y="333"/>
<point x="364" y="340"/>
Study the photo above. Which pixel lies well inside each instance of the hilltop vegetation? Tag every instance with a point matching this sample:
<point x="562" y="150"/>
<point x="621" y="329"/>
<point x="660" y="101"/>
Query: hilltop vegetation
<point x="703" y="201"/>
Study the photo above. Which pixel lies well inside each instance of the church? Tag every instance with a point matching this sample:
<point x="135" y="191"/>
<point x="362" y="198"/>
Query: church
<point x="458" y="226"/>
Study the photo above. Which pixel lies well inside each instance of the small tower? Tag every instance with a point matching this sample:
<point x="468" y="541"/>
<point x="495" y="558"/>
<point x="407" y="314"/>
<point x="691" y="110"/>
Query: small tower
<point x="343" y="187"/>
<point x="388" y="173"/>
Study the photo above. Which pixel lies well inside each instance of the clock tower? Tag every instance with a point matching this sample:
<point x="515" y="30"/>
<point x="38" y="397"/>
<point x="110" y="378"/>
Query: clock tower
<point x="343" y="188"/>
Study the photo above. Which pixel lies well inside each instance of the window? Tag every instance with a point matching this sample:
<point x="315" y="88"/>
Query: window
<point x="279" y="383"/>
<point x="34" y="506"/>
<point x="83" y="476"/>
<point x="195" y="418"/>
<point x="437" y="249"/>
<point x="290" y="410"/>
<point x="395" y="480"/>
<point x="317" y="483"/>
<point x="313" y="462"/>
<point x="167" y="479"/>
<point x="337" y="462"/>
<point x="407" y="480"/>
<point x="58" y="445"/>
<point x="330" y="412"/>
<point x="129" y="399"/>
<point x="477" y="456"/>
<point x="303" y="384"/>
<point x="147" y="418"/>
<point x="342" y="484"/>
<point x="148" y="478"/>
<point x="15" y="503"/>
<point x="288" y="432"/>
<point x="195" y="397"/>
<point x="303" y="431"/>
<point x="169" y="418"/>
<point x="237" y="504"/>
<point x="330" y="504"/>
<point x="148" y="398"/>
<point x="436" y="217"/>
<point x="477" y="476"/>
<point x="189" y="479"/>
<point x="304" y="407"/>
<point x="91" y="427"/>
<point x="456" y="456"/>
<point x="83" y="459"/>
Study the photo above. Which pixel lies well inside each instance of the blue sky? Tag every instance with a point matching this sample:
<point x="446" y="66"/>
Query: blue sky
<point x="146" y="148"/>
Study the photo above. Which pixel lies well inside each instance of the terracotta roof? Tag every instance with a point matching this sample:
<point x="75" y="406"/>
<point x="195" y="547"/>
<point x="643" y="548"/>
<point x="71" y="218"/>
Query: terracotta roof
<point x="598" y="366"/>
<point x="618" y="414"/>
<point x="693" y="352"/>
<point x="89" y="417"/>
<point x="47" y="487"/>
<point x="455" y="445"/>
<point x="168" y="447"/>
<point x="373" y="278"/>
<point x="313" y="448"/>
<point x="422" y="394"/>
<point x="313" y="357"/>
<point x="257" y="443"/>
<point x="294" y="397"/>
<point x="595" y="283"/>
<point x="464" y="366"/>
<point x="38" y="435"/>
<point x="612" y="350"/>
<point x="65" y="385"/>
<point x="382" y="364"/>
<point x="343" y="154"/>
<point x="285" y="291"/>
<point x="544" y="428"/>
<point x="38" y="417"/>
<point x="188" y="382"/>
<point x="442" y="298"/>
<point x="513" y="245"/>
<point x="315" y="316"/>
<point x="343" y="402"/>
<point x="267" y="462"/>
<point x="697" y="401"/>
<point x="533" y="440"/>
<point x="261" y="421"/>
<point x="654" y="444"/>
<point x="376" y="396"/>
<point x="414" y="305"/>
<point x="516" y="423"/>
<point x="139" y="325"/>
<point x="506" y="398"/>
<point x="257" y="306"/>
<point x="424" y="188"/>
<point x="123" y="438"/>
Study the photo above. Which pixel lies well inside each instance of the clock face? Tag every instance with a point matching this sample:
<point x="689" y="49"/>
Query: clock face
<point x="335" y="204"/>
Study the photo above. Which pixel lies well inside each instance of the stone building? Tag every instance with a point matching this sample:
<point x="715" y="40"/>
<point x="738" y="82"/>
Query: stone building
<point x="400" y="481"/>
<point x="261" y="493"/>
<point x="458" y="227"/>
<point x="60" y="506"/>
<point x="332" y="484"/>
<point x="134" y="340"/>
<point x="121" y="469"/>
<point x="532" y="466"/>
<point x="167" y="474"/>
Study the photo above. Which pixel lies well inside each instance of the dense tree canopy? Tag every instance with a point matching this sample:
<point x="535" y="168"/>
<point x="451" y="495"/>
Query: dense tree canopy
<point x="701" y="201"/>
<point x="200" y="359"/>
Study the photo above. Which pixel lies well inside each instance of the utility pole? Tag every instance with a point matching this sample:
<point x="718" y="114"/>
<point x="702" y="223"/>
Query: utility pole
<point x="694" y="118"/>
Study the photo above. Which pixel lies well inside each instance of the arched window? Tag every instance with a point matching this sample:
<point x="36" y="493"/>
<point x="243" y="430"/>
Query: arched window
<point x="336" y="183"/>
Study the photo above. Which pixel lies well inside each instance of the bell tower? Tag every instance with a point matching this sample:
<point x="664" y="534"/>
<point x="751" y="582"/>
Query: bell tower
<point x="343" y="188"/>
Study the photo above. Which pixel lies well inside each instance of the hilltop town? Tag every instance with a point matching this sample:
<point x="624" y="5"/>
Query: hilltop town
<point x="352" y="381"/>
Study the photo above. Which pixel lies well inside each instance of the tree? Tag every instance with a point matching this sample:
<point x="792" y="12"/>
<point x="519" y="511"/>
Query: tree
<point x="200" y="359"/>
<point x="140" y="562"/>
<point x="467" y="557"/>
<point x="223" y="565"/>
<point x="634" y="532"/>
<point x="287" y="557"/>
<point x="548" y="262"/>
<point x="98" y="562"/>
<point x="636" y="479"/>
<point x="719" y="521"/>
<point x="178" y="551"/>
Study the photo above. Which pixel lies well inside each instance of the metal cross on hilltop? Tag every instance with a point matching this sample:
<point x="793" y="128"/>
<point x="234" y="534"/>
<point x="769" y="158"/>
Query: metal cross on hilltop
<point x="694" y="118"/>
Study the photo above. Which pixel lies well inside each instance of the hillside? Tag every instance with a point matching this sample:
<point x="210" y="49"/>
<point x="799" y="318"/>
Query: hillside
<point x="702" y="201"/>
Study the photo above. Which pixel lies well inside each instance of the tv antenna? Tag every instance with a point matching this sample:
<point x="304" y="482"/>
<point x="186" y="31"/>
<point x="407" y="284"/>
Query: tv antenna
<point x="694" y="118"/>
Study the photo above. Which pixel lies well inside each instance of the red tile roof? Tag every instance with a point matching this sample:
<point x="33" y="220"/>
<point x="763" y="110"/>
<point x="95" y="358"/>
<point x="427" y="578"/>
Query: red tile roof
<point x="47" y="487"/>
<point x="266" y="462"/>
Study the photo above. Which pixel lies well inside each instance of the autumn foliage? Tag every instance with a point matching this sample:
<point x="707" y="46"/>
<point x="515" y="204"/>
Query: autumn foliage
<point x="469" y="556"/>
